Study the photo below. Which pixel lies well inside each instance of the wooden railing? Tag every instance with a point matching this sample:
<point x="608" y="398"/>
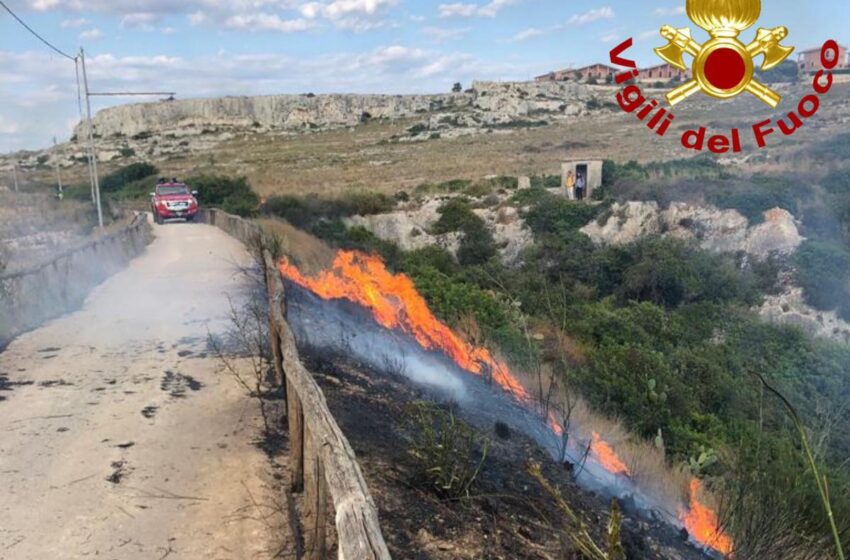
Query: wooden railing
<point x="322" y="462"/>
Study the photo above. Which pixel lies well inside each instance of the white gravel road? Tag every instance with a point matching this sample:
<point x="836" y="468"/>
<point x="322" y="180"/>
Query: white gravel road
<point x="120" y="437"/>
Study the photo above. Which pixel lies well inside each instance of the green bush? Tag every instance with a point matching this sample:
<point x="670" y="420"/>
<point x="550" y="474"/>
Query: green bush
<point x="306" y="212"/>
<point x="838" y="182"/>
<point x="477" y="245"/>
<point x="229" y="194"/>
<point x="671" y="273"/>
<point x="116" y="180"/>
<point x="555" y="215"/>
<point x="759" y="194"/>
<point x="456" y="215"/>
<point x="612" y="172"/>
<point x="546" y="181"/>
<point x="823" y="270"/>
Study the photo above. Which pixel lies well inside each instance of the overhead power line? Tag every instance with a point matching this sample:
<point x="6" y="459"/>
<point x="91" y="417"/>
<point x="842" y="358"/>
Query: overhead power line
<point x="37" y="36"/>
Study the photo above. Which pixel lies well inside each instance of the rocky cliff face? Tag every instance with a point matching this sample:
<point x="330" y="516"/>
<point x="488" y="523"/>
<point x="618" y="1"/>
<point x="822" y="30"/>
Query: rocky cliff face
<point x="489" y="102"/>
<point x="714" y="229"/>
<point x="274" y="112"/>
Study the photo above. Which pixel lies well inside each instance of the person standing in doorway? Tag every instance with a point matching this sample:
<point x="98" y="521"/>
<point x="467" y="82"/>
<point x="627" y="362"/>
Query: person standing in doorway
<point x="570" y="185"/>
<point x="580" y="186"/>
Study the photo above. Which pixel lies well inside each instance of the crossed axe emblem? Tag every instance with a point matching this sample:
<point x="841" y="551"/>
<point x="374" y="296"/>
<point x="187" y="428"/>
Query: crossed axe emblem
<point x="724" y="67"/>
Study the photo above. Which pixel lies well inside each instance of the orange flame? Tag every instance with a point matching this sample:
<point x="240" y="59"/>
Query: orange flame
<point x="395" y="304"/>
<point x="703" y="525"/>
<point x="606" y="456"/>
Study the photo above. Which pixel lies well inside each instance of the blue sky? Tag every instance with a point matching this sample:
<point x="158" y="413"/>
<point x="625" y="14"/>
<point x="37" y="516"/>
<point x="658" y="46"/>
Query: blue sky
<point x="202" y="48"/>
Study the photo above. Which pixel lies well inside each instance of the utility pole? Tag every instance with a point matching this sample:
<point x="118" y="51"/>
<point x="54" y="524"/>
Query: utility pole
<point x="95" y="181"/>
<point x="58" y="171"/>
<point x="15" y="174"/>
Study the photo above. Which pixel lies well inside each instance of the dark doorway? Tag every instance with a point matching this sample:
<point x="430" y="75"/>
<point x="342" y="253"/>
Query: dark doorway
<point x="581" y="181"/>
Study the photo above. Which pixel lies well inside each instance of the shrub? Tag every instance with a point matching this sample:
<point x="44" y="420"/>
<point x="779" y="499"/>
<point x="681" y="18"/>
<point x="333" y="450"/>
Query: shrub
<point x="118" y="179"/>
<point x="455" y="185"/>
<point x="823" y="270"/>
<point x="546" y="181"/>
<point x="477" y="245"/>
<point x="449" y="452"/>
<point x="671" y="273"/>
<point x="555" y="215"/>
<point x="612" y="172"/>
<point x="306" y="212"/>
<point x="229" y="194"/>
<point x="456" y="215"/>
<point x="838" y="182"/>
<point x="759" y="194"/>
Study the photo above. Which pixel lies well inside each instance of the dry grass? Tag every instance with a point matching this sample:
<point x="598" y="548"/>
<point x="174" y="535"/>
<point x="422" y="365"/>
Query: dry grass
<point x="366" y="156"/>
<point x="309" y="253"/>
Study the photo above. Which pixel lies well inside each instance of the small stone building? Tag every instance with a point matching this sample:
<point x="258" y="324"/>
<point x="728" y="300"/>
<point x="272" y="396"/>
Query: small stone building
<point x="589" y="169"/>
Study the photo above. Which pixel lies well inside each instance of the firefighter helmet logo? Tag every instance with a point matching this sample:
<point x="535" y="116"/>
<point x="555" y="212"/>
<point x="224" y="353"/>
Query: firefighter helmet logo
<point x="724" y="67"/>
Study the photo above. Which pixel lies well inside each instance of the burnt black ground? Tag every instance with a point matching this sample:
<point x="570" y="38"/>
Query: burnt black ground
<point x="507" y="516"/>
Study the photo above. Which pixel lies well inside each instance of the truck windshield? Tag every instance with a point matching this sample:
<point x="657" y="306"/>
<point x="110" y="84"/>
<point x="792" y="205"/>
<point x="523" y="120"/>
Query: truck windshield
<point x="167" y="191"/>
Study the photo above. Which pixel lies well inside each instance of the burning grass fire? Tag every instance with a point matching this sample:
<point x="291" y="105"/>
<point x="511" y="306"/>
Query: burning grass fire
<point x="702" y="523"/>
<point x="395" y="304"/>
<point x="607" y="457"/>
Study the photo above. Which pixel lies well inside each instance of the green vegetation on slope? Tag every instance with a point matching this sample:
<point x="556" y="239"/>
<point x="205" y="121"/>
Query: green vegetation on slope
<point x="665" y="339"/>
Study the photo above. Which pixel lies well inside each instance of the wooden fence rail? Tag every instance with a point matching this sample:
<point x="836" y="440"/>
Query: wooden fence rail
<point x="322" y="462"/>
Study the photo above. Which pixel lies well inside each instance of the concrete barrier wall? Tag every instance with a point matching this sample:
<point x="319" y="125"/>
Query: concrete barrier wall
<point x="50" y="289"/>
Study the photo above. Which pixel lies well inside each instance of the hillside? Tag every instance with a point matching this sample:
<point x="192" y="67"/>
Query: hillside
<point x="498" y="129"/>
<point x="635" y="339"/>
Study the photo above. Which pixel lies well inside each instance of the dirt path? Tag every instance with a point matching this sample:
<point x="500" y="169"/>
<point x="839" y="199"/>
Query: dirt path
<point x="119" y="436"/>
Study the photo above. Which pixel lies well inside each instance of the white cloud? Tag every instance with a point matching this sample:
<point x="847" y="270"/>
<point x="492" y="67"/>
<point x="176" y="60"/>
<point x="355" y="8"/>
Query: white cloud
<point x="74" y="23"/>
<point x="493" y="8"/>
<point x="140" y="20"/>
<point x="443" y="34"/>
<point x="610" y="37"/>
<point x="527" y="34"/>
<point x="42" y="86"/>
<point x="677" y="11"/>
<point x="457" y="10"/>
<point x="266" y="22"/>
<point x="592" y="15"/>
<point x="352" y="15"/>
<point x="470" y="10"/>
<point x="91" y="34"/>
<point x="198" y="18"/>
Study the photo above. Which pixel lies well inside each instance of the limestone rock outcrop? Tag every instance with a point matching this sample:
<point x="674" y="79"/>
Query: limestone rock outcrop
<point x="271" y="112"/>
<point x="714" y="229"/>
<point x="789" y="308"/>
<point x="410" y="228"/>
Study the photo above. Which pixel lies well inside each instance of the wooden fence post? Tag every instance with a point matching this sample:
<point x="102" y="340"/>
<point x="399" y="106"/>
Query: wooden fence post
<point x="315" y="500"/>
<point x="295" y="417"/>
